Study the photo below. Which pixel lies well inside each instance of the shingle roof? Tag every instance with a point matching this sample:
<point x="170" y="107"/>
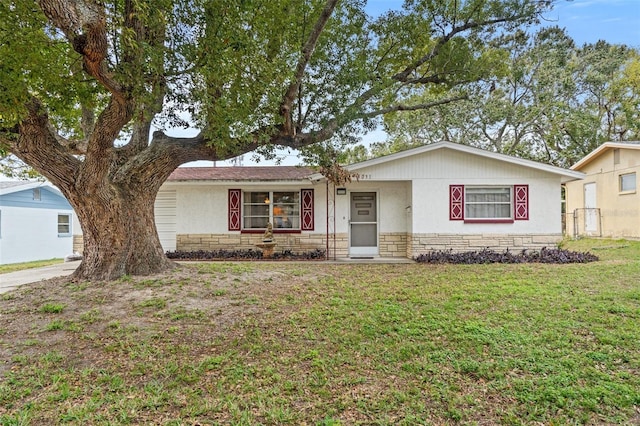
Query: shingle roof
<point x="264" y="173"/>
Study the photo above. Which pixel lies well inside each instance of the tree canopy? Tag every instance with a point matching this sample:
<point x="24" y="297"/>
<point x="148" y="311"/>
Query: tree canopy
<point x="555" y="102"/>
<point x="89" y="90"/>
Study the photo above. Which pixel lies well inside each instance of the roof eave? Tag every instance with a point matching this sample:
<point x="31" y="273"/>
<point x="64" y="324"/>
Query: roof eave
<point x="600" y="150"/>
<point x="28" y="186"/>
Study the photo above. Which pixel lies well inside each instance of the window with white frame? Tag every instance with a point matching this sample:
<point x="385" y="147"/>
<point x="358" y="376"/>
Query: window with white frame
<point x="488" y="203"/>
<point x="476" y="203"/>
<point x="281" y="208"/>
<point x="37" y="194"/>
<point x="628" y="182"/>
<point x="64" y="225"/>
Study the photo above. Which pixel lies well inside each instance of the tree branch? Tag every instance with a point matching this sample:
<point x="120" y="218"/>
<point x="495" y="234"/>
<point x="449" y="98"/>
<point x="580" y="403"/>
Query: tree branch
<point x="36" y="144"/>
<point x="307" y="51"/>
<point x="395" y="108"/>
<point x="84" y="25"/>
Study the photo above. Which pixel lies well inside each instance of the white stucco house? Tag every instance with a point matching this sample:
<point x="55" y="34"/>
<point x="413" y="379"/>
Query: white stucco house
<point x="36" y="222"/>
<point x="439" y="196"/>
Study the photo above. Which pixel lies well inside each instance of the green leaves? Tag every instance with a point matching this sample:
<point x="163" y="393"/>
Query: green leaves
<point x="229" y="67"/>
<point x="546" y="100"/>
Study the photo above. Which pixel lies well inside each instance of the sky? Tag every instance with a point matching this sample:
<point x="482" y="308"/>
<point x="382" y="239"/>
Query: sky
<point x="586" y="21"/>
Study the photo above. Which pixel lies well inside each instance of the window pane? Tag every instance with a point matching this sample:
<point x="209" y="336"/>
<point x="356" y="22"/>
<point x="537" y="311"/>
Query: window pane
<point x="628" y="182"/>
<point x="286" y="210"/>
<point x="484" y="195"/>
<point x="256" y="197"/>
<point x="256" y="210"/>
<point x="488" y="203"/>
<point x="255" y="222"/>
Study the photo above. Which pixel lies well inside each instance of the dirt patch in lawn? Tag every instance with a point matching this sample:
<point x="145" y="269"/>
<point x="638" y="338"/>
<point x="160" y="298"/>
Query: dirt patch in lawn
<point x="76" y="321"/>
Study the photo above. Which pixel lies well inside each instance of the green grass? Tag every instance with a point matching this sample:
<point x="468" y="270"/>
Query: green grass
<point x="52" y="308"/>
<point x="13" y="267"/>
<point x="327" y="344"/>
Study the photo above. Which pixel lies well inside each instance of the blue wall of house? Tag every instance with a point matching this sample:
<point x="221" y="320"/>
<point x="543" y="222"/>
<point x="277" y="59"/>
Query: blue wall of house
<point x="24" y="198"/>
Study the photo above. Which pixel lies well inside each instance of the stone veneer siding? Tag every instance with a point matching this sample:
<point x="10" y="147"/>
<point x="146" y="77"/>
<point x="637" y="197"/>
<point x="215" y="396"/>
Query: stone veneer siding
<point x="208" y="242"/>
<point x="391" y="244"/>
<point x="78" y="244"/>
<point x="422" y="243"/>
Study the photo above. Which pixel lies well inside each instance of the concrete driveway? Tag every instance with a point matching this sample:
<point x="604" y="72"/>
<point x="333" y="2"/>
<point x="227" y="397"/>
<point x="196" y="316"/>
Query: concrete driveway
<point x="13" y="280"/>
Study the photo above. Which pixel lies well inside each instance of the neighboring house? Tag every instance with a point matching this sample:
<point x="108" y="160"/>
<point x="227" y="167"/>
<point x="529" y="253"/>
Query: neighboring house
<point x="439" y="196"/>
<point x="36" y="222"/>
<point x="606" y="203"/>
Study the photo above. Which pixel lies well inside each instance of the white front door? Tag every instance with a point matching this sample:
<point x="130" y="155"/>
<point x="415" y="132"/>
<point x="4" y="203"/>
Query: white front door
<point x="363" y="238"/>
<point x="590" y="211"/>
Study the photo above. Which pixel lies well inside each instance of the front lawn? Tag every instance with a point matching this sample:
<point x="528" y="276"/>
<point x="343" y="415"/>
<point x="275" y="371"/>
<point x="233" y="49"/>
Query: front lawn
<point x="331" y="344"/>
<point x="13" y="267"/>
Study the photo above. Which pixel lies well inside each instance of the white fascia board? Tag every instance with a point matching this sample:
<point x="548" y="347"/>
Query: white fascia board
<point x="601" y="149"/>
<point x="30" y="185"/>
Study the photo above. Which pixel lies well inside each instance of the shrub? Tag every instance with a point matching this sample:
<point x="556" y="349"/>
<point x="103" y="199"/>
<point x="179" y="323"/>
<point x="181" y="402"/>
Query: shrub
<point x="250" y="254"/>
<point x="490" y="256"/>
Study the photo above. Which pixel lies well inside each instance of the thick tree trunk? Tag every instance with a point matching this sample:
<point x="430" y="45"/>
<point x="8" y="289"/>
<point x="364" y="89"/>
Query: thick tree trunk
<point x="120" y="236"/>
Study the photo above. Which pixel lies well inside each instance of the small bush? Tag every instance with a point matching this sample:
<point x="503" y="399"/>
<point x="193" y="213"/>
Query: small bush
<point x="52" y="308"/>
<point x="489" y="256"/>
<point x="243" y="255"/>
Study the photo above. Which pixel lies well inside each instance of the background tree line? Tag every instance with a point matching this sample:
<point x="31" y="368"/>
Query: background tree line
<point x="550" y="101"/>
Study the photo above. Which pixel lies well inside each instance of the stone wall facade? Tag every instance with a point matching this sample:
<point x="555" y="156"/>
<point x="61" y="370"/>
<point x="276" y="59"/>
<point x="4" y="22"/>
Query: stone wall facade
<point x="78" y="244"/>
<point x="209" y="242"/>
<point x="390" y="244"/>
<point x="422" y="243"/>
<point x="393" y="244"/>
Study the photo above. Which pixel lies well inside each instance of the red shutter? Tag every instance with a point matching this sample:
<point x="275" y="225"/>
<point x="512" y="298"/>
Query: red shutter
<point x="456" y="202"/>
<point x="306" y="196"/>
<point x="521" y="204"/>
<point x="235" y="197"/>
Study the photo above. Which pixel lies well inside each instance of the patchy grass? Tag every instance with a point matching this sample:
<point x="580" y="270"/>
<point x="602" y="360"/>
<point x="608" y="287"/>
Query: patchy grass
<point x="13" y="267"/>
<point x="331" y="344"/>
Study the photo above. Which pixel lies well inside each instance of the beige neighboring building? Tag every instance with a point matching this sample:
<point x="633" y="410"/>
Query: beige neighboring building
<point x="606" y="203"/>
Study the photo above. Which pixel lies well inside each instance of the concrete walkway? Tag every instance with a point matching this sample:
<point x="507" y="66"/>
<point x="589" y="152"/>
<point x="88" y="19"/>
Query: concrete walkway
<point x="13" y="280"/>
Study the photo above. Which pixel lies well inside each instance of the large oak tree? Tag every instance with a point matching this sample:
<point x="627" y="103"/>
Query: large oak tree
<point x="89" y="90"/>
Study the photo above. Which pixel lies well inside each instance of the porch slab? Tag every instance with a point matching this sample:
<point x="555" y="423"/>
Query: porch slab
<point x="374" y="259"/>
